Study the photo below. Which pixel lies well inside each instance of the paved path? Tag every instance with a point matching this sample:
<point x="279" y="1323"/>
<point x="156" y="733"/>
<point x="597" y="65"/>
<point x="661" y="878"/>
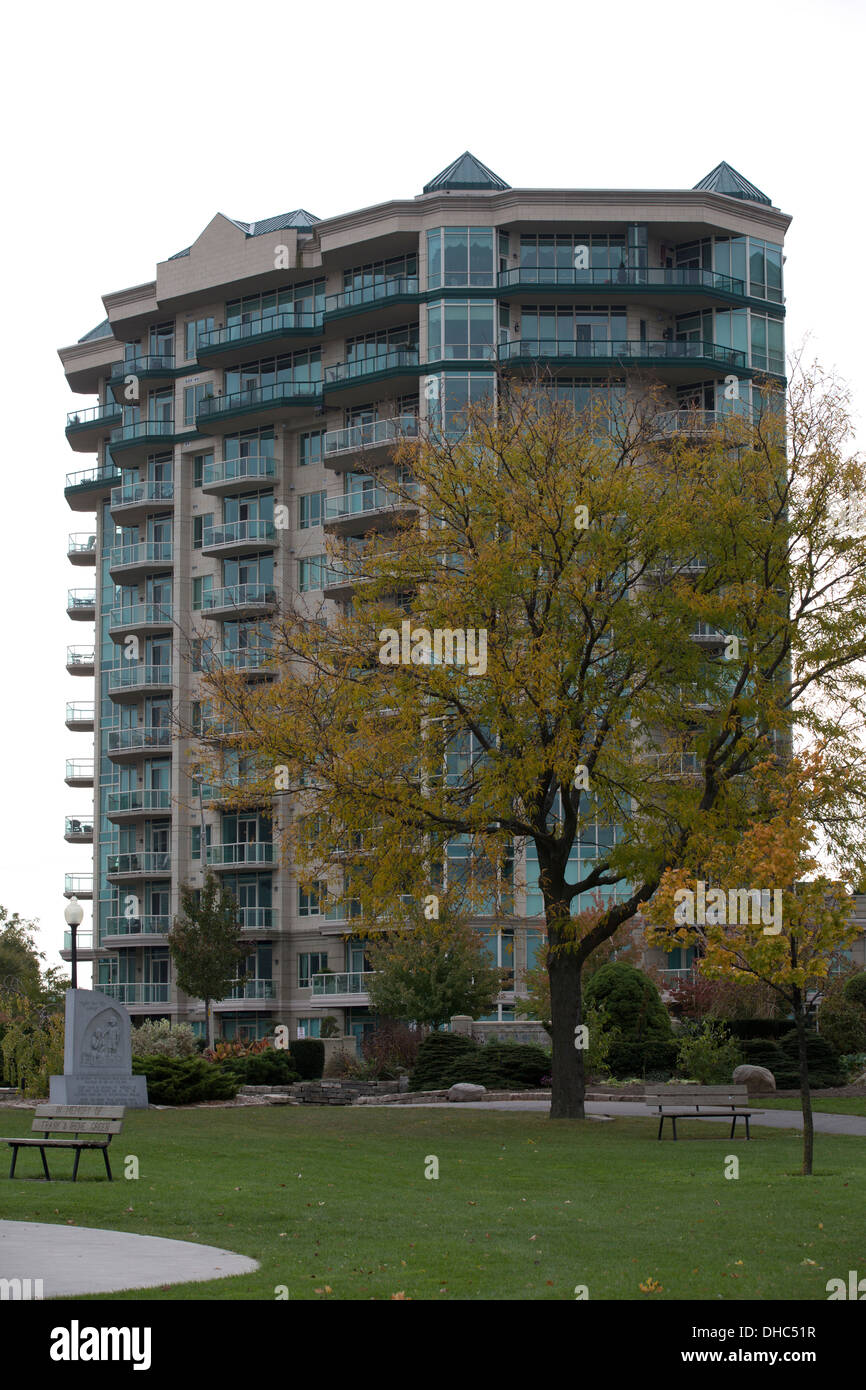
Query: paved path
<point x="776" y="1119"/>
<point x="74" y="1260"/>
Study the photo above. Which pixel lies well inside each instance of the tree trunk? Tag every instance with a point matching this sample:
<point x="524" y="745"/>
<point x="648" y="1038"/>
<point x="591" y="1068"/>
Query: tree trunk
<point x="566" y="1008"/>
<point x="209" y="1020"/>
<point x="805" y="1093"/>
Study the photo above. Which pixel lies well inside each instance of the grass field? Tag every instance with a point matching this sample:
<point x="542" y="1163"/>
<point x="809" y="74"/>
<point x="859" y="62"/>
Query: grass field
<point x="334" y="1204"/>
<point x="838" y="1105"/>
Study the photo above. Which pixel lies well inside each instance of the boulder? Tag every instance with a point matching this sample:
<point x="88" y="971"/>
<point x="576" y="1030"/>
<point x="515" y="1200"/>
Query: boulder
<point x="466" y="1090"/>
<point x="757" y="1079"/>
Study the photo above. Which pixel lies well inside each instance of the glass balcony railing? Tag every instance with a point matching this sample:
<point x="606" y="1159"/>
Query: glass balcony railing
<point x="243" y="658"/>
<point x="377" y="434"/>
<point x="378" y="293"/>
<point x="687" y="421"/>
<point x="250" y="468"/>
<point x="95" y="415"/>
<point x="279" y="393"/>
<point x="80" y="656"/>
<point x="79" y="770"/>
<point x="140" y="615"/>
<point x="137" y="993"/>
<point x="132" y="494"/>
<point x="79" y="825"/>
<point x="273" y="326"/>
<point x="615" y="350"/>
<point x="83" y="940"/>
<point x="348" y="982"/>
<point x="78" y="885"/>
<point x="398" y="359"/>
<point x="253" y="989"/>
<point x="144" y="737"/>
<point x="137" y="926"/>
<point x="610" y="276"/>
<point x="78" y="713"/>
<point x="145" y="365"/>
<point x="255" y="852"/>
<point x="100" y="476"/>
<point x="134" y="674"/>
<point x="233" y="532"/>
<point x="80" y="544"/>
<point x="149" y="861"/>
<point x="142" y="431"/>
<point x="369" y="500"/>
<point x="77" y="599"/>
<point x="462" y="352"/>
<point x="139" y="799"/>
<point x="141" y="553"/>
<point x="240" y="596"/>
<point x="257" y="918"/>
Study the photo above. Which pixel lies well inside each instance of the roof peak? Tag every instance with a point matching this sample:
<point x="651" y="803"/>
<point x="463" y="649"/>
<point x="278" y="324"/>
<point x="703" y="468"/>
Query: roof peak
<point x="726" y="179"/>
<point x="466" y="173"/>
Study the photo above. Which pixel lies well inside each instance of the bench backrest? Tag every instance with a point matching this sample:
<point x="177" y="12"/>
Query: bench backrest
<point x="79" y="1119"/>
<point x="697" y="1095"/>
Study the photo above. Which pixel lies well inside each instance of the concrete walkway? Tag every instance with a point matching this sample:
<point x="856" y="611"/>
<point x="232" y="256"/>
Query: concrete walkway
<point x="775" y="1119"/>
<point x="74" y="1260"/>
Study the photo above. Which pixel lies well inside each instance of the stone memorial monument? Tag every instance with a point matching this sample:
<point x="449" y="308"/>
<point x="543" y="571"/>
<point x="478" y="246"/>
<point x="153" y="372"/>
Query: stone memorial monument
<point x="97" y="1057"/>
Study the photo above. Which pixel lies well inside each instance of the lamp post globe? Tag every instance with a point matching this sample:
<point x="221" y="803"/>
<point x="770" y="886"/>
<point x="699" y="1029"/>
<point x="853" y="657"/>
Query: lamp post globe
<point x="74" y="915"/>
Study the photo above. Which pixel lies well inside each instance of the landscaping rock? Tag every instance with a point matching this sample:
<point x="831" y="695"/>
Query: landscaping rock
<point x="466" y="1090"/>
<point x="758" y="1079"/>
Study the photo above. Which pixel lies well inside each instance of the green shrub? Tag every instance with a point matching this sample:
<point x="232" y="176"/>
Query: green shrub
<point x="444" y="1059"/>
<point x="821" y="1058"/>
<point x="157" y="1038"/>
<point x="854" y="990"/>
<point x="308" y="1055"/>
<point x="184" y="1080"/>
<point x="757" y="1027"/>
<point x="630" y="1000"/>
<point x="272" y="1068"/>
<point x="763" y="1052"/>
<point x="843" y="1024"/>
<point x="633" y="1058"/>
<point x="436" y="1052"/>
<point x="710" y="1055"/>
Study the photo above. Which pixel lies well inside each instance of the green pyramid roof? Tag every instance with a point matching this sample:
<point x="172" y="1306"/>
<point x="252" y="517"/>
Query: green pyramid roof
<point x="466" y="172"/>
<point x="724" y="179"/>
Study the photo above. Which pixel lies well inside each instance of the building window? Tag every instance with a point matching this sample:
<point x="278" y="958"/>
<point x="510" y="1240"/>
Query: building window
<point x="200" y="524"/>
<point x="309" y="1028"/>
<point x="310" y="448"/>
<point x="765" y="270"/>
<point x="193" y="328"/>
<point x="200" y="588"/>
<point x="199" y="463"/>
<point x="460" y="331"/>
<point x="298" y="302"/>
<point x="192" y="398"/>
<point x="311" y="509"/>
<point x="459" y="257"/>
<point x="311" y="573"/>
<point x="310" y="963"/>
<point x="310" y="904"/>
<point x="195" y="840"/>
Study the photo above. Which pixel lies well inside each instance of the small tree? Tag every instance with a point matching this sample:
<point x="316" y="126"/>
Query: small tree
<point x="32" y="1045"/>
<point x="205" y="945"/>
<point x="426" y="972"/>
<point x="790" y="949"/>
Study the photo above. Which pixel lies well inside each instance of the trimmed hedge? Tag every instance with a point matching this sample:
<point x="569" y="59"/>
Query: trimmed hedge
<point x="757" y="1027"/>
<point x="782" y="1059"/>
<point x="635" y="1058"/>
<point x="183" y="1080"/>
<point x="272" y="1068"/>
<point x="308" y="1056"/>
<point x="444" y="1059"/>
<point x="631" y="1001"/>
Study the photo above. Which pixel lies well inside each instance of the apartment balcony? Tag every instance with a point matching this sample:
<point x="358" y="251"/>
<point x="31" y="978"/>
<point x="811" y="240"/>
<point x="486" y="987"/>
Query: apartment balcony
<point x="135" y="678"/>
<point x="253" y="661"/>
<point x="239" y="600"/>
<point x="401" y="367"/>
<point x="256" y="854"/>
<point x="86" y="489"/>
<point x="132" y="502"/>
<point x="125" y="744"/>
<point x="249" y="992"/>
<point x="130" y="562"/>
<point x="81" y="605"/>
<point x="367" y="510"/>
<point x="135" y="931"/>
<point x="379" y="303"/>
<point x="136" y="441"/>
<point x="655" y="353"/>
<point x="85" y="947"/>
<point x="343" y="576"/>
<point x="259" y="919"/>
<point x="81" y="548"/>
<point x="79" y="717"/>
<point x="689" y="285"/>
<point x="280" y="401"/>
<point x="79" y="772"/>
<point x="156" y="369"/>
<point x="708" y="636"/>
<point x="236" y="536"/>
<point x="346" y="988"/>
<point x="80" y="661"/>
<point x="137" y="994"/>
<point x="78" y="830"/>
<point x="85" y="428"/>
<point x="244" y="342"/>
<point x="140" y="617"/>
<point x="141" y="801"/>
<point x="690" y="423"/>
<point x="366" y="445"/>
<point x="138" y="864"/>
<point x="227" y="475"/>
<point x="78" y="886"/>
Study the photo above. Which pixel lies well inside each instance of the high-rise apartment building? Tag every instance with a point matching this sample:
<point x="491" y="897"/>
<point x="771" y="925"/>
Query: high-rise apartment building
<point x="267" y="367"/>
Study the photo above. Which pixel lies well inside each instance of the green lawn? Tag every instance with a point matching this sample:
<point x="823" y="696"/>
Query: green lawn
<point x="334" y="1204"/>
<point x="840" y="1105"/>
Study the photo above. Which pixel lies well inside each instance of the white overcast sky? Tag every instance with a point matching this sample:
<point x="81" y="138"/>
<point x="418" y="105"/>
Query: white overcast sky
<point x="127" y="126"/>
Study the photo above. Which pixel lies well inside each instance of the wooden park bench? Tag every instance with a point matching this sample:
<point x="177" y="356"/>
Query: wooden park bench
<point x="699" y="1102"/>
<point x="61" y="1126"/>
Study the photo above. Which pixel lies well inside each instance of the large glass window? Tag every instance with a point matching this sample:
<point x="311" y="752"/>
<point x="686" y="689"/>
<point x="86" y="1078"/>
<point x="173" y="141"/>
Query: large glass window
<point x="311" y="573"/>
<point x="550" y="253"/>
<point x="450" y="393"/>
<point x="311" y="508"/>
<point x="572" y="324"/>
<point x="459" y="331"/>
<point x="765" y="270"/>
<point x="310" y="963"/>
<point x="304" y="366"/>
<point x="363" y="282"/>
<point x="310" y="448"/>
<point x="299" y="302"/>
<point x="730" y="257"/>
<point x="460" y="256"/>
<point x="768" y="342"/>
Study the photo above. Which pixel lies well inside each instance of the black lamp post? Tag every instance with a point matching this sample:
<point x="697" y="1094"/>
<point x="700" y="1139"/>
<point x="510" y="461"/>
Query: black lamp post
<point x="74" y="915"/>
